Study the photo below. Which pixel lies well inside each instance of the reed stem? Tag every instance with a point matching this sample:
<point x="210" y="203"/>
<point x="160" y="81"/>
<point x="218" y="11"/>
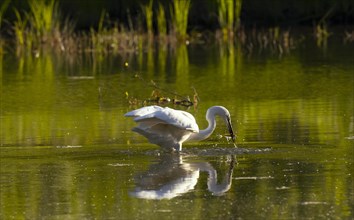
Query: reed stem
<point x="179" y="15"/>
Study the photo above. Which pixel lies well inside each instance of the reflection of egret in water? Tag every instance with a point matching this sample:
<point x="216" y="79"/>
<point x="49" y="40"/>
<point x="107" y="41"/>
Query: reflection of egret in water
<point x="172" y="177"/>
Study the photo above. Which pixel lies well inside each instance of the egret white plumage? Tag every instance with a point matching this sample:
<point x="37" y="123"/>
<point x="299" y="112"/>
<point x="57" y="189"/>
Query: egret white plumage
<point x="169" y="128"/>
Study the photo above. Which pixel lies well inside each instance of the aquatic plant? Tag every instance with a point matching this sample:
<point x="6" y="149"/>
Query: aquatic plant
<point x="321" y="34"/>
<point x="238" y="7"/>
<point x="179" y="16"/>
<point x="229" y="12"/>
<point x="274" y="40"/>
<point x="161" y="21"/>
<point x="42" y="27"/>
<point x="349" y="36"/>
<point x="20" y="27"/>
<point x="148" y="15"/>
<point x="3" y="8"/>
<point x="321" y="29"/>
<point x="112" y="37"/>
<point x="2" y="43"/>
<point x="44" y="17"/>
<point x="96" y="37"/>
<point x="161" y="96"/>
<point x="225" y="13"/>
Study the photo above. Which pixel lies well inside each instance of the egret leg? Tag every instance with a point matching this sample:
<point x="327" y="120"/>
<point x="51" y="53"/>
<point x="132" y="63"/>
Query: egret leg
<point x="178" y="147"/>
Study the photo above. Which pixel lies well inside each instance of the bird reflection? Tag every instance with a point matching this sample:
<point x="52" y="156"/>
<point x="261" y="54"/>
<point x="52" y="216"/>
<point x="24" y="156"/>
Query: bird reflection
<point x="172" y="177"/>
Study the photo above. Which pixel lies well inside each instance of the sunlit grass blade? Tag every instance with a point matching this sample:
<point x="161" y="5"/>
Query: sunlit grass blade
<point x="179" y="17"/>
<point x="20" y="28"/>
<point x="229" y="12"/>
<point x="3" y="8"/>
<point x="238" y="7"/>
<point x="161" y="21"/>
<point x="222" y="13"/>
<point x="44" y="16"/>
<point x="148" y="15"/>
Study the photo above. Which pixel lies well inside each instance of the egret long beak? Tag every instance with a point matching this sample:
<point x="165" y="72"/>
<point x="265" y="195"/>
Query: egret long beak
<point x="231" y="131"/>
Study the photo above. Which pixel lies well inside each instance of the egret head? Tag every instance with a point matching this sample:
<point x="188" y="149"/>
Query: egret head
<point x="225" y="114"/>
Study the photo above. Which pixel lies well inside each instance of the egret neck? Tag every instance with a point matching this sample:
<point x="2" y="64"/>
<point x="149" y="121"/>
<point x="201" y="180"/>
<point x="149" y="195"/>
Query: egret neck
<point x="210" y="117"/>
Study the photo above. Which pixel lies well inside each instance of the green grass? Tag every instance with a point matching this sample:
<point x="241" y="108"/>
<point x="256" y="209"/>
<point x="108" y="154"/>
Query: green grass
<point x="20" y="29"/>
<point x="161" y="21"/>
<point x="3" y="8"/>
<point x="238" y="7"/>
<point x="42" y="28"/>
<point x="103" y="39"/>
<point x="223" y="13"/>
<point x="179" y="16"/>
<point x="44" y="16"/>
<point x="229" y="12"/>
<point x="148" y="13"/>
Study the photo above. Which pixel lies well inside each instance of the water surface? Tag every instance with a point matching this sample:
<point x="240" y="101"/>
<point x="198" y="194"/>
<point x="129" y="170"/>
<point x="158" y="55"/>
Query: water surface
<point x="68" y="152"/>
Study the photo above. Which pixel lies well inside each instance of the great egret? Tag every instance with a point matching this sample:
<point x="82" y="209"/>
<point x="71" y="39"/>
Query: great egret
<point x="169" y="128"/>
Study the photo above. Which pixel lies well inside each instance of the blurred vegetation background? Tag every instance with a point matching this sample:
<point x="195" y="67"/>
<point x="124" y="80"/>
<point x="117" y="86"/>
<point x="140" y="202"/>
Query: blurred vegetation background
<point x="203" y="14"/>
<point x="133" y="25"/>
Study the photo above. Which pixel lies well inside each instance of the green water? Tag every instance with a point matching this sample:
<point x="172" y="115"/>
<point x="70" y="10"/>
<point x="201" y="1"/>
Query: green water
<point x="67" y="152"/>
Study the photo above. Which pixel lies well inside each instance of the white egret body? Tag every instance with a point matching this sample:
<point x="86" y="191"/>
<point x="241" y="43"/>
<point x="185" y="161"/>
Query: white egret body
<point x="169" y="128"/>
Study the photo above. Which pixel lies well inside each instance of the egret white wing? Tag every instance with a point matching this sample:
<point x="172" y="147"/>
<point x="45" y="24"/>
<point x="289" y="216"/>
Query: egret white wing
<point x="143" y="111"/>
<point x="149" y="123"/>
<point x="164" y="135"/>
<point x="180" y="119"/>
